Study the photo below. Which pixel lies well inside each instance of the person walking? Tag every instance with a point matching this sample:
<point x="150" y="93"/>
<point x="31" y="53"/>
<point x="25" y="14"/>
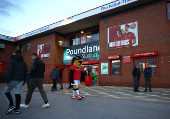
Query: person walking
<point x="148" y="72"/>
<point x="15" y="78"/>
<point x="136" y="77"/>
<point x="56" y="76"/>
<point x="37" y="79"/>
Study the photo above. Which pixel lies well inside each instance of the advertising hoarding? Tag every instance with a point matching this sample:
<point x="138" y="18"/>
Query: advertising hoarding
<point x="125" y="35"/>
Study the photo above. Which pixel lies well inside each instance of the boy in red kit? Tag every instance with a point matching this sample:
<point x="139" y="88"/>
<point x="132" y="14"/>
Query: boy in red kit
<point x="76" y="75"/>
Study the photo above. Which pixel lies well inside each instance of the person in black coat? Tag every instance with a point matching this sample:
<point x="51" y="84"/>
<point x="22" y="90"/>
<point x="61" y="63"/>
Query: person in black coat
<point x="15" y="77"/>
<point x="37" y="80"/>
<point x="136" y="77"/>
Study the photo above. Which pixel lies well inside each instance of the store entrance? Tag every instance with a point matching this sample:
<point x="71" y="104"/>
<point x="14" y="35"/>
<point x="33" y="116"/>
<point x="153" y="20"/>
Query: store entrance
<point x="92" y="68"/>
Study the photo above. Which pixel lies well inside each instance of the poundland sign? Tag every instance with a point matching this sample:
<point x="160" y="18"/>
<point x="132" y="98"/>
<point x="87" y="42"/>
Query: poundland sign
<point x="88" y="52"/>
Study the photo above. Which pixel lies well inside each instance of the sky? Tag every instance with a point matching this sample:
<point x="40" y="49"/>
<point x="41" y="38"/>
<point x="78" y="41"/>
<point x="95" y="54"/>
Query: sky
<point x="18" y="17"/>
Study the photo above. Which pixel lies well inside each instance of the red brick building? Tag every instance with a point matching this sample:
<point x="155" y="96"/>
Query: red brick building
<point x="111" y="39"/>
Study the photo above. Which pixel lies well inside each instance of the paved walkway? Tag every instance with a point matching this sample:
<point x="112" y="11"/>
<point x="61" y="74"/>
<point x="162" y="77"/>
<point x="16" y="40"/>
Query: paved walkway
<point x="100" y="102"/>
<point x="158" y="94"/>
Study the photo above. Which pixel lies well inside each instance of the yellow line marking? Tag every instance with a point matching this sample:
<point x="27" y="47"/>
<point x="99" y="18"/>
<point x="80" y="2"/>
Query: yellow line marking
<point x="166" y="97"/>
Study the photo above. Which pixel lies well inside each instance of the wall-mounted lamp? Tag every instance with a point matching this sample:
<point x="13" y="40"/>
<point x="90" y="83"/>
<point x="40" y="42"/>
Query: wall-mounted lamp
<point x="82" y="31"/>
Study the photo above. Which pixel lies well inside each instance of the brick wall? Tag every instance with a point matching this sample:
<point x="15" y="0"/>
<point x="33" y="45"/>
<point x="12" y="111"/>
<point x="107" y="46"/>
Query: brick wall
<point x="153" y="35"/>
<point x="5" y="56"/>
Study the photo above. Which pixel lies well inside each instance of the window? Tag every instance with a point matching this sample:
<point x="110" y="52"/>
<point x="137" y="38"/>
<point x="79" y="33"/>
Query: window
<point x="89" y="34"/>
<point x="142" y="64"/>
<point x="72" y="40"/>
<point x="95" y="35"/>
<point x="24" y="47"/>
<point x="115" y="67"/>
<point x="67" y="41"/>
<point x="60" y="41"/>
<point x="168" y="11"/>
<point x="2" y="47"/>
<point x="83" y="38"/>
<point x="77" y="39"/>
<point x="28" y="47"/>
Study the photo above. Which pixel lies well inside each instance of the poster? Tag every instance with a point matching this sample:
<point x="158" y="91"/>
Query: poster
<point x="44" y="50"/>
<point x="126" y="59"/>
<point x="125" y="35"/>
<point x="104" y="68"/>
<point x="88" y="51"/>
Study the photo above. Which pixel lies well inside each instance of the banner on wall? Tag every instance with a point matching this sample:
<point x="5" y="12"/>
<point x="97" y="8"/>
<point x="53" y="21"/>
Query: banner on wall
<point x="44" y="50"/>
<point x="88" y="51"/>
<point x="125" y="35"/>
<point x="104" y="68"/>
<point x="126" y="59"/>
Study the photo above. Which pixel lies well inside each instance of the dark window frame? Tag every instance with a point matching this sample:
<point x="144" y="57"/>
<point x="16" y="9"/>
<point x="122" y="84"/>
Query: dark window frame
<point x="4" y="49"/>
<point x="120" y="72"/>
<point x="80" y="38"/>
<point x="157" y="67"/>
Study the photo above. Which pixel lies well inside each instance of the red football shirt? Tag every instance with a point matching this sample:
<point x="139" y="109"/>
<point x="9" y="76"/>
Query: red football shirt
<point x="131" y="37"/>
<point x="77" y="72"/>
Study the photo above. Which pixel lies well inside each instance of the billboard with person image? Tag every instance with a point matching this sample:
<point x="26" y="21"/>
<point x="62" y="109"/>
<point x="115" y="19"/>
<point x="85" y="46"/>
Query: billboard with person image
<point x="125" y="35"/>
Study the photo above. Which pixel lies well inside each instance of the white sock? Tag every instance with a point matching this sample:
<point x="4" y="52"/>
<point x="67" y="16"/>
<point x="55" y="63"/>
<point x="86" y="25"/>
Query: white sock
<point x="73" y="92"/>
<point x="77" y="91"/>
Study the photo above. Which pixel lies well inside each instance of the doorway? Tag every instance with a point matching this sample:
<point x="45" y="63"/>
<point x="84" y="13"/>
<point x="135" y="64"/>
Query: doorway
<point x="92" y="68"/>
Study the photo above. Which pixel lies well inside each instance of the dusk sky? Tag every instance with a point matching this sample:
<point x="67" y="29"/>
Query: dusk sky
<point x="21" y="16"/>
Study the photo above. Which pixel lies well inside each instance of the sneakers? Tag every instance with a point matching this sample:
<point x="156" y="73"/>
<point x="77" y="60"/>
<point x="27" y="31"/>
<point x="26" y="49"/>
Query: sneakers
<point x="10" y="109"/>
<point x="16" y="112"/>
<point x="79" y="97"/>
<point x="74" y="96"/>
<point x="46" y="105"/>
<point x="24" y="105"/>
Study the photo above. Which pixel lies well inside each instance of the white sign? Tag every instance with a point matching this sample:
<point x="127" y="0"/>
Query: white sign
<point x="104" y="68"/>
<point x="69" y="20"/>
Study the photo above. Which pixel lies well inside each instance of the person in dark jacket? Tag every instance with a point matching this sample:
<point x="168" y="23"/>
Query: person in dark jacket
<point x="87" y="72"/>
<point x="148" y="72"/>
<point x="15" y="77"/>
<point x="136" y="77"/>
<point x="55" y="75"/>
<point x="37" y="79"/>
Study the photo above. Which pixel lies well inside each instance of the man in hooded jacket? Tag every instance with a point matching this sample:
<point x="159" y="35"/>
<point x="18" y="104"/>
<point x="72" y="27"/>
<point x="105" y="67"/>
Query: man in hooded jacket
<point x="15" y="78"/>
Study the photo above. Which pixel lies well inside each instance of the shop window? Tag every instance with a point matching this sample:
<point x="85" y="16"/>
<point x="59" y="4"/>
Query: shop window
<point x="95" y="35"/>
<point x="60" y="41"/>
<point x="168" y="11"/>
<point x="24" y="47"/>
<point x="89" y="36"/>
<point x="72" y="40"/>
<point x="67" y="41"/>
<point x="83" y="38"/>
<point x="2" y="47"/>
<point x="28" y="49"/>
<point x="142" y="64"/>
<point x="77" y="39"/>
<point x="115" y="67"/>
